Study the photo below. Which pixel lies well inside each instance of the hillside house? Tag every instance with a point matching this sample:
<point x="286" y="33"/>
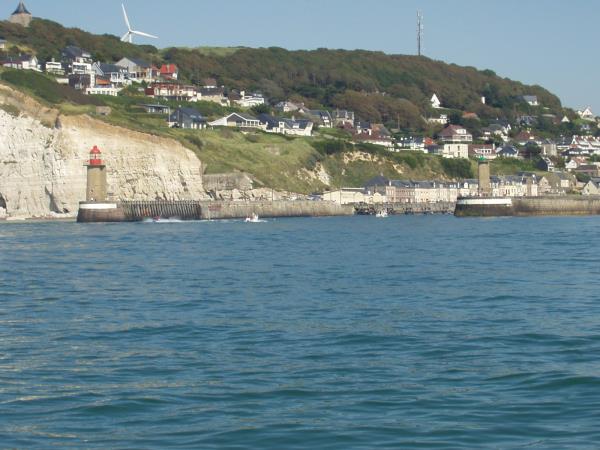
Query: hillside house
<point x="415" y="143"/>
<point x="508" y="151"/>
<point x="291" y="127"/>
<point x="454" y="150"/>
<point x="531" y="100"/>
<point x="23" y="62"/>
<point x="172" y="91"/>
<point x="187" y="119"/>
<point x="77" y="61"/>
<point x="442" y="119"/>
<point x="238" y="120"/>
<point x="549" y="147"/>
<point x="455" y="134"/>
<point x="342" y="117"/>
<point x="2" y="44"/>
<point x="526" y="137"/>
<point x="82" y="82"/>
<point x="139" y="70"/>
<point x="249" y="100"/>
<point x="156" y="108"/>
<point x="592" y="187"/>
<point x="587" y="114"/>
<point x="435" y="102"/>
<point x="54" y="67"/>
<point x="374" y="139"/>
<point x="321" y="117"/>
<point x="287" y="107"/>
<point x="213" y="94"/>
<point x="169" y="72"/>
<point x="483" y="151"/>
<point x="115" y="74"/>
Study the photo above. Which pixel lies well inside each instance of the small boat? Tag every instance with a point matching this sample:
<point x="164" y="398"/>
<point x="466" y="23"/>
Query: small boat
<point x="381" y="214"/>
<point x="253" y="219"/>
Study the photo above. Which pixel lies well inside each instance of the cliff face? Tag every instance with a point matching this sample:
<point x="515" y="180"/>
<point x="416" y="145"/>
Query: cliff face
<point x="42" y="157"/>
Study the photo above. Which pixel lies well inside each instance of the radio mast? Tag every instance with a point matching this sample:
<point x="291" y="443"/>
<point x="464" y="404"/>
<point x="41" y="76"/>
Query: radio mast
<point x="420" y="31"/>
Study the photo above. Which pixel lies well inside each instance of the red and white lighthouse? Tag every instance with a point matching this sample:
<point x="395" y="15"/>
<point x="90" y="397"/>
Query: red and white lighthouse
<point x="96" y="177"/>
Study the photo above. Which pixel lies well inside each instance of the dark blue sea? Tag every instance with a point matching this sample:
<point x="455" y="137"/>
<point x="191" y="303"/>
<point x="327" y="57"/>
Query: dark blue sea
<point x="332" y="333"/>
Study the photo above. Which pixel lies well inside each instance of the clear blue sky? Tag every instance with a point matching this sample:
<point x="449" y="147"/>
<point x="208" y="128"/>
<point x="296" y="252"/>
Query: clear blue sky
<point x="548" y="42"/>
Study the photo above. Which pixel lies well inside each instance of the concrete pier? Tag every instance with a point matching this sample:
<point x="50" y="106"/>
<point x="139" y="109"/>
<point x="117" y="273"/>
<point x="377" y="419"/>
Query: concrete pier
<point x="240" y="210"/>
<point x="568" y="205"/>
<point x="135" y="211"/>
<point x="406" y="208"/>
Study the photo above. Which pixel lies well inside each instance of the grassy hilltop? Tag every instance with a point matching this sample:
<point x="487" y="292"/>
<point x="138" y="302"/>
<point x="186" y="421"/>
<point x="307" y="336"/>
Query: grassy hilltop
<point x="390" y="89"/>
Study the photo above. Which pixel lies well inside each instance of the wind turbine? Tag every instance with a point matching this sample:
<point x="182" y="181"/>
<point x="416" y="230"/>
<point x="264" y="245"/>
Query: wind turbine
<point x="128" y="37"/>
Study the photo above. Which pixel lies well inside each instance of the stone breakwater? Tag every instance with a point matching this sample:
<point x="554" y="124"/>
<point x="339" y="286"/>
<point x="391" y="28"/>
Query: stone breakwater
<point x="42" y="156"/>
<point x="202" y="210"/>
<point x="529" y="206"/>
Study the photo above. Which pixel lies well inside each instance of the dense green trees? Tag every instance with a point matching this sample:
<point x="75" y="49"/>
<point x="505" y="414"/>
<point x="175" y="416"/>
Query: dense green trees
<point x="392" y="89"/>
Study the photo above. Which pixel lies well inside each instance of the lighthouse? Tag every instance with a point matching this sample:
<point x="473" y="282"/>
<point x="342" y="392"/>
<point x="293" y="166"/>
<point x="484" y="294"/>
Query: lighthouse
<point x="97" y="207"/>
<point x="96" y="177"/>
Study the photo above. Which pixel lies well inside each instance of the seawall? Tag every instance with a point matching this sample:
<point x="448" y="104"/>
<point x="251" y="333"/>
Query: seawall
<point x="528" y="206"/>
<point x="283" y="208"/>
<point x="132" y="211"/>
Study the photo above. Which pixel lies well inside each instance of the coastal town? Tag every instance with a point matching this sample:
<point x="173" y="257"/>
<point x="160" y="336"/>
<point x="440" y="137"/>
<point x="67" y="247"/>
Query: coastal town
<point x="566" y="163"/>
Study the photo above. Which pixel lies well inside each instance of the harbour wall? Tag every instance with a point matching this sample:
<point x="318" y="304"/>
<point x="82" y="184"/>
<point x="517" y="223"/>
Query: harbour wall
<point x="529" y="206"/>
<point x="133" y="211"/>
<point x="283" y="208"/>
<point x="406" y="208"/>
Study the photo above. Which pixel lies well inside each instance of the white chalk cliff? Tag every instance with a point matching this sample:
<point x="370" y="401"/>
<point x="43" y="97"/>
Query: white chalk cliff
<point x="42" y="157"/>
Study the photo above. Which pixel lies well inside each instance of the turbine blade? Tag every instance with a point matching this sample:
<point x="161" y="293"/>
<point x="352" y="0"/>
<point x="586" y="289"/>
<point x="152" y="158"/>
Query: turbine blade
<point x="141" y="33"/>
<point x="126" y="18"/>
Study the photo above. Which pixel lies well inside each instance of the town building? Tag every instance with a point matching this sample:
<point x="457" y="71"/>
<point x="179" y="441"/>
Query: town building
<point x="139" y="70"/>
<point x="483" y="151"/>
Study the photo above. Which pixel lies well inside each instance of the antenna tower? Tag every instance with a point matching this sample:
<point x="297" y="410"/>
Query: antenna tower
<point x="420" y="31"/>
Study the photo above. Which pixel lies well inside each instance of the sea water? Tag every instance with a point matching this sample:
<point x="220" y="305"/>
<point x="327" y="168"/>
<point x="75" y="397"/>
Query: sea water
<point x="332" y="333"/>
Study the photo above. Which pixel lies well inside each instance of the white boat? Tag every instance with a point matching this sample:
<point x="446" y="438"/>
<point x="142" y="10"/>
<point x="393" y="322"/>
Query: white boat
<point x="253" y="219"/>
<point x="382" y="214"/>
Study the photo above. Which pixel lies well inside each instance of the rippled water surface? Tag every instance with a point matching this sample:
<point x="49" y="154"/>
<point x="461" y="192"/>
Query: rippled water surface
<point x="341" y="333"/>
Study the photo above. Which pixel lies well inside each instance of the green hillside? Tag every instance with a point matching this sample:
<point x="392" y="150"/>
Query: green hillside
<point x="392" y="89"/>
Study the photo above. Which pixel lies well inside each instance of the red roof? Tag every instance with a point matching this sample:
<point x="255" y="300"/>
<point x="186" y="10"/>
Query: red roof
<point x="168" y="69"/>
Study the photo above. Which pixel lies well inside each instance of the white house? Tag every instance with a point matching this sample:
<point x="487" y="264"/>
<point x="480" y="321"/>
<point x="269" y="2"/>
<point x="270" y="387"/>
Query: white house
<point x="441" y="120"/>
<point x="455" y="134"/>
<point x="103" y="90"/>
<point x="23" y="62"/>
<point x="455" y="150"/>
<point x="586" y="114"/>
<point x="238" y="120"/>
<point x="435" y="102"/>
<point x="531" y="100"/>
<point x="116" y="75"/>
<point x="290" y="127"/>
<point x="54" y="67"/>
<point x="139" y="70"/>
<point x="249" y="101"/>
